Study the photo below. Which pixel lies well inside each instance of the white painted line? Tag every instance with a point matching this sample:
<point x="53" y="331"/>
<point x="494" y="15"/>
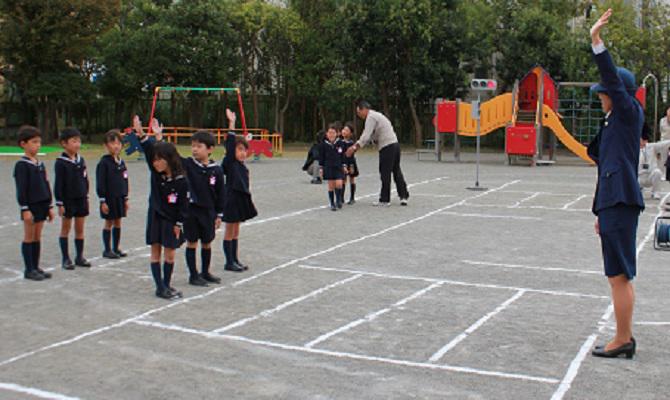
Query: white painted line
<point x="269" y="312"/>
<point x="543" y="193"/>
<point x="459" y="283"/>
<point x="579" y="358"/>
<point x="10" y="224"/>
<point x="652" y="323"/>
<point x="491" y="216"/>
<point x="350" y="356"/>
<point x="530" y="267"/>
<point x="441" y="352"/>
<point x="525" y="199"/>
<point x="42" y="394"/>
<point x="371" y="316"/>
<point x="529" y="207"/>
<point x="439" y="196"/>
<point x="572" y="203"/>
<point x="215" y="290"/>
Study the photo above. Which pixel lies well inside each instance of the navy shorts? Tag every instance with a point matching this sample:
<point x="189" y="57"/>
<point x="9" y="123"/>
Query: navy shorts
<point x="40" y="211"/>
<point x="76" y="208"/>
<point x="333" y="173"/>
<point x="618" y="231"/>
<point x="200" y="225"/>
<point x="117" y="208"/>
<point x="161" y="231"/>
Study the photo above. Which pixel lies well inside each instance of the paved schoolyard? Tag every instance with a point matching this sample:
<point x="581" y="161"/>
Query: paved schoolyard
<point x="466" y="295"/>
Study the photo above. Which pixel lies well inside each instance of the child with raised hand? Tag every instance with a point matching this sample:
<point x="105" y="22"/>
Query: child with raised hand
<point x="349" y="162"/>
<point x="34" y="197"/>
<point x="168" y="206"/>
<point x="238" y="206"/>
<point x="71" y="192"/>
<point x="112" y="188"/>
<point x="333" y="167"/>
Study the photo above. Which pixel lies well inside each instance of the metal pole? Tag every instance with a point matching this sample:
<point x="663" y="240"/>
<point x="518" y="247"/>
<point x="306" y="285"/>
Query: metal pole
<point x="477" y="187"/>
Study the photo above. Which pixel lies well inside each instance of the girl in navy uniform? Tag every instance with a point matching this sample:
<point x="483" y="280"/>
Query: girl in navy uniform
<point x="168" y="207"/>
<point x="349" y="162"/>
<point x="205" y="208"/>
<point x="238" y="206"/>
<point x="333" y="167"/>
<point x="112" y="188"/>
<point x="71" y="192"/>
<point x="34" y="197"/>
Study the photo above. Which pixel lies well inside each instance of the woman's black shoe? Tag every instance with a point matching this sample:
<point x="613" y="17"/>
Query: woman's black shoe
<point x="627" y="350"/>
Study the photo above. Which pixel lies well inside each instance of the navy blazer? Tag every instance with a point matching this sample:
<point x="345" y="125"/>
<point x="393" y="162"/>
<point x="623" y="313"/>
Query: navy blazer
<point x="616" y="148"/>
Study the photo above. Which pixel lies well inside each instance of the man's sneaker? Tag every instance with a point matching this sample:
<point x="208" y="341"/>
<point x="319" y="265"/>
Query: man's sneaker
<point x="33" y="275"/>
<point x="655" y="196"/>
<point x="210" y="278"/>
<point x="82" y="262"/>
<point x="381" y="204"/>
<point x="45" y="274"/>
<point x="110" y="254"/>
<point x="403" y="202"/>
<point x="197" y="281"/>
<point x="68" y="265"/>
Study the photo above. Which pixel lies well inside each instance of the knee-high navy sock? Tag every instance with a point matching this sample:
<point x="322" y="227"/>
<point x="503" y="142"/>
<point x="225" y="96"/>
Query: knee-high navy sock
<point x="206" y="256"/>
<point x="62" y="241"/>
<point x="331" y="197"/>
<point x="353" y="191"/>
<point x="27" y="252"/>
<point x="344" y="188"/>
<point x="158" y="279"/>
<point x="36" y="247"/>
<point x="340" y="195"/>
<point x="167" y="273"/>
<point x="233" y="250"/>
<point x="227" y="244"/>
<point x="106" y="236"/>
<point x="116" y="238"/>
<point x="190" y="262"/>
<point x="79" y="246"/>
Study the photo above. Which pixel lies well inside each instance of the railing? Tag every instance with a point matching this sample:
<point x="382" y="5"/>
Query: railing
<point x="172" y="134"/>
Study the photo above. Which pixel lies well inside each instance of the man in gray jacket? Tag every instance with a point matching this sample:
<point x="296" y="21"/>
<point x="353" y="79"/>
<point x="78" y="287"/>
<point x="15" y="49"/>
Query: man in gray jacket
<point x="378" y="128"/>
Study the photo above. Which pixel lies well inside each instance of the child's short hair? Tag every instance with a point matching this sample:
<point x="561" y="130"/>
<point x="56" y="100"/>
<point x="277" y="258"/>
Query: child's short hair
<point x="241" y="140"/>
<point x="350" y="125"/>
<point x="204" y="137"/>
<point x="112" y="135"/>
<point x="68" y="133"/>
<point x="333" y="125"/>
<point x="26" y="133"/>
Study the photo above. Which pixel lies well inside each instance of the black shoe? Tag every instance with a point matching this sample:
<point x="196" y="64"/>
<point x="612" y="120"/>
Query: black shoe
<point x="166" y="294"/>
<point x="197" y="281"/>
<point x="210" y="278"/>
<point x="82" y="262"/>
<point x="351" y="202"/>
<point x="233" y="267"/>
<point x="333" y="208"/>
<point x="45" y="274"/>
<point x="403" y="202"/>
<point x="319" y="181"/>
<point x="68" y="265"/>
<point x="110" y="254"/>
<point x="120" y="253"/>
<point x="602" y="346"/>
<point x="315" y="181"/>
<point x="339" y="205"/>
<point x="33" y="275"/>
<point x="239" y="264"/>
<point x="627" y="350"/>
<point x="176" y="293"/>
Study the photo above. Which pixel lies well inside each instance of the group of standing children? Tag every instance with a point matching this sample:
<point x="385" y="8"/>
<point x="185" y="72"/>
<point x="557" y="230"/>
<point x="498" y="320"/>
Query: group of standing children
<point x="335" y="167"/>
<point x="189" y="198"/>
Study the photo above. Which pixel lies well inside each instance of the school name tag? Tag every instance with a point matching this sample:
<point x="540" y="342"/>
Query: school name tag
<point x="172" y="198"/>
<point x="125" y="174"/>
<point x="212" y="180"/>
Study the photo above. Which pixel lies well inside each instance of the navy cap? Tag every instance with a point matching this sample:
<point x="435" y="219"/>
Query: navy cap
<point x="627" y="77"/>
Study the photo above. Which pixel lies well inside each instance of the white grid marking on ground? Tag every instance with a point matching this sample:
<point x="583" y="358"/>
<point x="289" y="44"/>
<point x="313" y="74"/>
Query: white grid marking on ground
<point x="371" y="316"/>
<point x="531" y="267"/>
<point x="270" y="311"/>
<point x="344" y="355"/>
<point x="276" y="268"/>
<point x="42" y="394"/>
<point x="458" y="339"/>
<point x="491" y="216"/>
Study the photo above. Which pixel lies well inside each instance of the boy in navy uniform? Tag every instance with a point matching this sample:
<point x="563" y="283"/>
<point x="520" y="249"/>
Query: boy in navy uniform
<point x="71" y="192"/>
<point x="112" y="188"/>
<point x="34" y="197"/>
<point x="618" y="200"/>
<point x="333" y="167"/>
<point x="168" y="207"/>
<point x="205" y="210"/>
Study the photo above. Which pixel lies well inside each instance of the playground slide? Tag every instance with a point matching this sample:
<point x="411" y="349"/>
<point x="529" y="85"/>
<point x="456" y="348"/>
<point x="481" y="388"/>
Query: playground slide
<point x="552" y="121"/>
<point x="495" y="113"/>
